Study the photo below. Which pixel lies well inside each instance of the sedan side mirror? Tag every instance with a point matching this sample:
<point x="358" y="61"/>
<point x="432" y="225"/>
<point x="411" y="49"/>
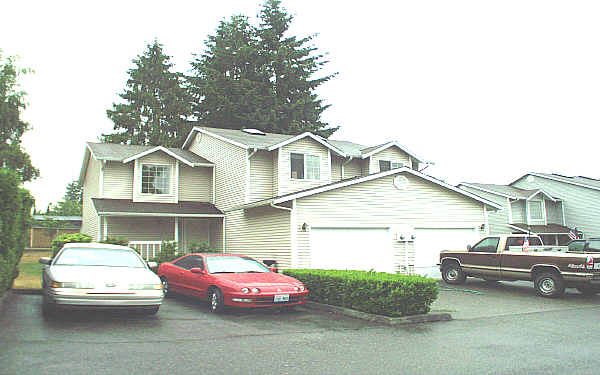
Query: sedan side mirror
<point x="197" y="271"/>
<point x="45" y="260"/>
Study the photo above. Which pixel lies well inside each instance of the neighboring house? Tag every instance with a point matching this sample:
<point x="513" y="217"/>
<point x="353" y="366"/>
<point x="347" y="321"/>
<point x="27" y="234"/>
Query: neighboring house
<point x="303" y="200"/>
<point x="148" y="195"/>
<point x="580" y="196"/>
<point x="45" y="228"/>
<point x="524" y="211"/>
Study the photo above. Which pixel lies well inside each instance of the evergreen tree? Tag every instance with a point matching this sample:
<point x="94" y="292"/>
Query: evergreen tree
<point x="74" y="192"/>
<point x="291" y="63"/>
<point x="253" y="77"/>
<point x="12" y="127"/>
<point x="155" y="106"/>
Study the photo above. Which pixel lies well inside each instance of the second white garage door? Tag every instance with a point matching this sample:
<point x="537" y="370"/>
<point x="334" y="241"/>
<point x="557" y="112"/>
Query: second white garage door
<point x="351" y="248"/>
<point x="430" y="241"/>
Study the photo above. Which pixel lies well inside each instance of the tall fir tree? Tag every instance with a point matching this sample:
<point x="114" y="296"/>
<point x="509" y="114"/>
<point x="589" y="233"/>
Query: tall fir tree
<point x="12" y="126"/>
<point x="156" y="105"/>
<point x="258" y="77"/>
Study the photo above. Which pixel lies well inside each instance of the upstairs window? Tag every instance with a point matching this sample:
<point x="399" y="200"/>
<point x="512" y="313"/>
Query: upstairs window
<point x="155" y="179"/>
<point x="535" y="210"/>
<point x="386" y="165"/>
<point x="305" y="167"/>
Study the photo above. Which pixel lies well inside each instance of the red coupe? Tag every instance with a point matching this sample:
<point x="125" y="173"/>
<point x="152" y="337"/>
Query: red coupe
<point x="230" y="280"/>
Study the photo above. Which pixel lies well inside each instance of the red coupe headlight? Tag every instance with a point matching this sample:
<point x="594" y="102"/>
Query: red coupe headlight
<point x="245" y="290"/>
<point x="255" y="290"/>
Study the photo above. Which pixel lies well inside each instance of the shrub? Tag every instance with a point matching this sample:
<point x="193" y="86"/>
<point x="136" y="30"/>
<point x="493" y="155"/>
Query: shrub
<point x="168" y="252"/>
<point x="371" y="292"/>
<point x="201" y="247"/>
<point x="116" y="241"/>
<point x="61" y="240"/>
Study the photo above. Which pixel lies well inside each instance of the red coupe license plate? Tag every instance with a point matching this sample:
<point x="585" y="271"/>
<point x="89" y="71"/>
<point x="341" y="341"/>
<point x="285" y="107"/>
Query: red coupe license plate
<point x="281" y="298"/>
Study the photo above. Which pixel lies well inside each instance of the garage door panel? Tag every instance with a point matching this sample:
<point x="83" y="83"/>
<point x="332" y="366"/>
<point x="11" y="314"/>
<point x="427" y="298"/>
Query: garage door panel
<point x="351" y="248"/>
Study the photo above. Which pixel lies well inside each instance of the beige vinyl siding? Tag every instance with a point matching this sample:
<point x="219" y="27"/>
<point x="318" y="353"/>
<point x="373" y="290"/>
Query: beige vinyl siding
<point x="353" y="168"/>
<point x="554" y="212"/>
<point x="261" y="175"/>
<point x="392" y="154"/>
<point x="336" y="168"/>
<point x="581" y="204"/>
<point x="155" y="158"/>
<point x="194" y="230"/>
<point x="364" y="167"/>
<point x="118" y="180"/>
<point x="216" y="234"/>
<point x="518" y="212"/>
<point x="195" y="184"/>
<point x="141" y="228"/>
<point x="497" y="220"/>
<point x="306" y="146"/>
<point x="230" y="163"/>
<point x="379" y="204"/>
<point x="262" y="233"/>
<point x="91" y="189"/>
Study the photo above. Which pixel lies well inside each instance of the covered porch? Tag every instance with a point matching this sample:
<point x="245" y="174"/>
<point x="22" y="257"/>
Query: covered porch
<point x="551" y="234"/>
<point x="146" y="225"/>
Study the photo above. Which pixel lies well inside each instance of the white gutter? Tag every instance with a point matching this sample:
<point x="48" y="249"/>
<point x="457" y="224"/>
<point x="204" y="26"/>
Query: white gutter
<point x="281" y="207"/>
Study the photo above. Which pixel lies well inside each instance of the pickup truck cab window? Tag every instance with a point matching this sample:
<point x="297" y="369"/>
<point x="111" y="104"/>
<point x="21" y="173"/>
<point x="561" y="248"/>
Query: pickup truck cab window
<point x="518" y="241"/>
<point x="487" y="245"/>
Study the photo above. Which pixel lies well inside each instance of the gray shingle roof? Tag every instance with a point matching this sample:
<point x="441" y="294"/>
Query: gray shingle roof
<point x="588" y="181"/>
<point x="128" y="206"/>
<point x="119" y="152"/>
<point x="504" y="189"/>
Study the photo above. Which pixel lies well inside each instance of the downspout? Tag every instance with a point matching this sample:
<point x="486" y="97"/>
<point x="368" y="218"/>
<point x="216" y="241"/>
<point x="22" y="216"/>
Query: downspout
<point x="249" y="155"/>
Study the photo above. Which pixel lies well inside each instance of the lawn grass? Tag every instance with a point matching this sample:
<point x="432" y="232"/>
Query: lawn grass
<point x="30" y="270"/>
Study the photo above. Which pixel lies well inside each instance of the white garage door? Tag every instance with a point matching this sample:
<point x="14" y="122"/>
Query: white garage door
<point x="351" y="249"/>
<point x="429" y="242"/>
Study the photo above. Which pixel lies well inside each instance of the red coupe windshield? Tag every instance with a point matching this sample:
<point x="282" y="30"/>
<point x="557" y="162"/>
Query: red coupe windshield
<point x="233" y="265"/>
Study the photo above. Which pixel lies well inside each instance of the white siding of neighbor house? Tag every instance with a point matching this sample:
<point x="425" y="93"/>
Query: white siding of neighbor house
<point x="581" y="204"/>
<point x="276" y="172"/>
<point x="262" y="233"/>
<point x="91" y="189"/>
<point x="554" y="212"/>
<point x="305" y="146"/>
<point x="518" y="212"/>
<point x="392" y="154"/>
<point x="353" y="168"/>
<point x="336" y="168"/>
<point x="195" y="183"/>
<point x="378" y="203"/>
<point x="261" y="175"/>
<point x="118" y="180"/>
<point x="497" y="220"/>
<point x="230" y="163"/>
<point x="155" y="158"/>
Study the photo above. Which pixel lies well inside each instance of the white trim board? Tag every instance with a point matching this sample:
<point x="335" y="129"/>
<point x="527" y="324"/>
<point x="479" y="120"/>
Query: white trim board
<point x="304" y="135"/>
<point x="159" y="148"/>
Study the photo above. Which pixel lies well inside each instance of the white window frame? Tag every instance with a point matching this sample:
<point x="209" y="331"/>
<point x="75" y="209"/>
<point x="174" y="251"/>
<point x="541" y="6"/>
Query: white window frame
<point x="393" y="164"/>
<point x="169" y="185"/>
<point x="305" y="158"/>
<point x="541" y="205"/>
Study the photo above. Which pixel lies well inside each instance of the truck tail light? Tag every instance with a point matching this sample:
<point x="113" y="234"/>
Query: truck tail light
<point x="589" y="263"/>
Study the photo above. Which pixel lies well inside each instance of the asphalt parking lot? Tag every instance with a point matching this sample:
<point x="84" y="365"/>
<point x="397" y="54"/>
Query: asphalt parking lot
<point x="185" y="338"/>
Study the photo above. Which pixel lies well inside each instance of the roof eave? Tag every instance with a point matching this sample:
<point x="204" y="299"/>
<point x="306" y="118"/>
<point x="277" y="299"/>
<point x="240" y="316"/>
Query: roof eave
<point x="304" y="135"/>
<point x="155" y="149"/>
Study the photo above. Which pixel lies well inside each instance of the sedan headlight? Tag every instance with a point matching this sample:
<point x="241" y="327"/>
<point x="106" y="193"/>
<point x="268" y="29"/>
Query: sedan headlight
<point x="71" y="285"/>
<point x="145" y="286"/>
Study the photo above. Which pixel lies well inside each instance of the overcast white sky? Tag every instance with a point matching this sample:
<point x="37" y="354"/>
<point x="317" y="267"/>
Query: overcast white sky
<point x="488" y="90"/>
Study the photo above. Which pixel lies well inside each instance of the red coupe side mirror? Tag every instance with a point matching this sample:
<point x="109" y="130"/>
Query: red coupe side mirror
<point x="197" y="270"/>
<point x="273" y="269"/>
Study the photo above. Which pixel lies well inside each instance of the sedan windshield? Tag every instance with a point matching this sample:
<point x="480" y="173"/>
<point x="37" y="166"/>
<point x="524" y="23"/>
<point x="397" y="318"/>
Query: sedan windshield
<point x="234" y="265"/>
<point x="99" y="257"/>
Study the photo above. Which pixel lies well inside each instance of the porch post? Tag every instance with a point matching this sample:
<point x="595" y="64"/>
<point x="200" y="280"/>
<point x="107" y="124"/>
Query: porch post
<point x="177" y="231"/>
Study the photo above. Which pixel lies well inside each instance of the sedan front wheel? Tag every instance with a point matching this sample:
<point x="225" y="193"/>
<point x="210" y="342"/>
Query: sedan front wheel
<point x="215" y="299"/>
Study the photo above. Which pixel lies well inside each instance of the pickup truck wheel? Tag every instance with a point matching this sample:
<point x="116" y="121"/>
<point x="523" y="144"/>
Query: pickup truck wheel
<point x="452" y="273"/>
<point x="549" y="284"/>
<point x="588" y="290"/>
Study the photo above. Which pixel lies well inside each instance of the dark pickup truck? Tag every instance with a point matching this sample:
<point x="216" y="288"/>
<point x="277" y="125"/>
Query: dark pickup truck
<point x="522" y="257"/>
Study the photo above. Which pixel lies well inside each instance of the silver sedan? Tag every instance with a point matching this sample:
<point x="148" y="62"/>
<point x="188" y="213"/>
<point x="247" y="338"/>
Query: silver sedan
<point x="99" y="275"/>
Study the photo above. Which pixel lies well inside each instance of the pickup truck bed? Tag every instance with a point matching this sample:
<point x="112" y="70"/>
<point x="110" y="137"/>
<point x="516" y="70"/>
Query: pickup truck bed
<point x="551" y="269"/>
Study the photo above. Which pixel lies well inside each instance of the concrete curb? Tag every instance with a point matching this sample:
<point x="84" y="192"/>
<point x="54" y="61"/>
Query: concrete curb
<point x="27" y="291"/>
<point x="412" y="319"/>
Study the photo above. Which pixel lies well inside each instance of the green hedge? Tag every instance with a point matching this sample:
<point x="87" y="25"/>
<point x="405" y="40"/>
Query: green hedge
<point x="15" y="219"/>
<point x="371" y="292"/>
<point x="61" y="240"/>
